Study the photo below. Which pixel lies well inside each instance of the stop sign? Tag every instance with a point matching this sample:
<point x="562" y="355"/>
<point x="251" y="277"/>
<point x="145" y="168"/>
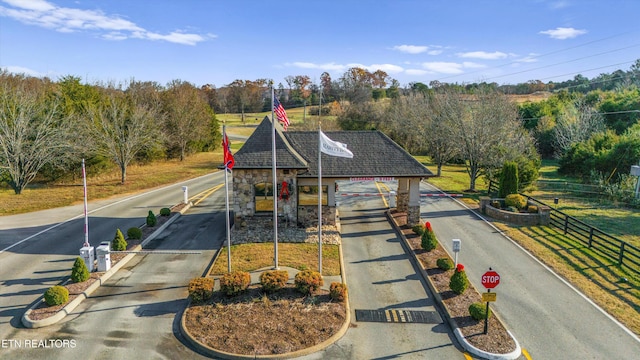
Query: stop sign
<point x="490" y="279"/>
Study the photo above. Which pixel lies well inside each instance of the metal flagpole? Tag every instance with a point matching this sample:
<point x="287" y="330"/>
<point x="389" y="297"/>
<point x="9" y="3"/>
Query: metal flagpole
<point x="275" y="185"/>
<point x="319" y="201"/>
<point x="86" y="216"/>
<point x="226" y="197"/>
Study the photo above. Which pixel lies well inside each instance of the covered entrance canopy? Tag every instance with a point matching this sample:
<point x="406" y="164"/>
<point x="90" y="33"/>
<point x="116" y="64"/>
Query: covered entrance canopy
<point x="374" y="155"/>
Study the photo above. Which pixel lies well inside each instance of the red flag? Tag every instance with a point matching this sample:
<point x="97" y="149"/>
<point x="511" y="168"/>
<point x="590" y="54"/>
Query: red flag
<point x="280" y="113"/>
<point x="228" y="156"/>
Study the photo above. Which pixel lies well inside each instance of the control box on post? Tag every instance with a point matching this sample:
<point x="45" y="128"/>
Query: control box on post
<point x="104" y="257"/>
<point x="87" y="254"/>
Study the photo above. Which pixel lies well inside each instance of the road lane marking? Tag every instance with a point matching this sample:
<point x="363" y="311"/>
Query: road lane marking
<point x="467" y="356"/>
<point x="205" y="194"/>
<point x="380" y="191"/>
<point x="526" y="354"/>
<point x="95" y="210"/>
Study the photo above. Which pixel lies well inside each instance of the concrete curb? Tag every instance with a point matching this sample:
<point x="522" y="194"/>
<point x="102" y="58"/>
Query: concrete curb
<point x="445" y="313"/>
<point x="209" y="351"/>
<point x="71" y="305"/>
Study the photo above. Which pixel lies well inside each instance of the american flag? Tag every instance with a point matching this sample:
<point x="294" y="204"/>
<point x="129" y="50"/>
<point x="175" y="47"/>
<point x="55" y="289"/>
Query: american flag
<point x="229" y="161"/>
<point x="280" y="113"/>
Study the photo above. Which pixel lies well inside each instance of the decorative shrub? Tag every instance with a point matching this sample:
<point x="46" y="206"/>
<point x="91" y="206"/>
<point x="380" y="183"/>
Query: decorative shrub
<point x="418" y="229"/>
<point x="273" y="280"/>
<point x="165" y="212"/>
<point x="151" y="219"/>
<point x="429" y="240"/>
<point x="338" y="291"/>
<point x="134" y="233"/>
<point x="234" y="283"/>
<point x="532" y="209"/>
<point x="512" y="209"/>
<point x="56" y="295"/>
<point x="478" y="311"/>
<point x="509" y="179"/>
<point x="79" y="272"/>
<point x="516" y="200"/>
<point x="119" y="243"/>
<point x="496" y="204"/>
<point x="308" y="281"/>
<point x="459" y="282"/>
<point x="200" y="289"/>
<point x="445" y="264"/>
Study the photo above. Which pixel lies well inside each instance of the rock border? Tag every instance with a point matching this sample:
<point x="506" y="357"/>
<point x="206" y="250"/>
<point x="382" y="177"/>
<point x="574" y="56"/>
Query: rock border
<point x="515" y="354"/>
<point x="71" y="305"/>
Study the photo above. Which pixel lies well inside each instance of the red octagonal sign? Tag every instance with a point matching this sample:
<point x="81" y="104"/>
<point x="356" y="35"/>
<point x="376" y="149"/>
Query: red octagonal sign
<point x="490" y="279"/>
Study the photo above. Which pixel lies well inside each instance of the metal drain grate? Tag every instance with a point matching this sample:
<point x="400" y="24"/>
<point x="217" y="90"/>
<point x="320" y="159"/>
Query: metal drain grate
<point x="398" y="316"/>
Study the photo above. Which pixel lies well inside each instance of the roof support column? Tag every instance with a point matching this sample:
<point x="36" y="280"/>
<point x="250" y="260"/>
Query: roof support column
<point x="402" y="201"/>
<point x="413" y="209"/>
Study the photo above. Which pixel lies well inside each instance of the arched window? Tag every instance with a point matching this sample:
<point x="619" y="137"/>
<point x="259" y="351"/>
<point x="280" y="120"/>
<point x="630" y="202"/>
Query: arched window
<point x="263" y="197"/>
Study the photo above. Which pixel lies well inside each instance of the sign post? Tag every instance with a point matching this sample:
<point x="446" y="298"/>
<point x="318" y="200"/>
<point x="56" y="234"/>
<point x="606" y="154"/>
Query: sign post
<point x="456" y="250"/>
<point x="490" y="280"/>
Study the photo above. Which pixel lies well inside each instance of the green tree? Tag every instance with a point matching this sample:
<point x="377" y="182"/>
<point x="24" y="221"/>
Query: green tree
<point x="509" y="179"/>
<point x="79" y="272"/>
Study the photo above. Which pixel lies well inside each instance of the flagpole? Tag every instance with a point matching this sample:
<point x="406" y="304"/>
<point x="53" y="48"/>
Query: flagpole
<point x="86" y="216"/>
<point x="319" y="201"/>
<point x="275" y="186"/>
<point x="226" y="197"/>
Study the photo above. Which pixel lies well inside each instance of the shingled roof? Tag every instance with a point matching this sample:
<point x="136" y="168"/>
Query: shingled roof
<point x="374" y="154"/>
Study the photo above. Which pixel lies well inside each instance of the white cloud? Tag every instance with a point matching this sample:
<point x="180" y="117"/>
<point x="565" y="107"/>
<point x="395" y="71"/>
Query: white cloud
<point x="24" y="70"/>
<point x="326" y="67"/>
<point x="411" y="49"/>
<point x="443" y="67"/>
<point x="44" y="14"/>
<point x="483" y="55"/>
<point x="562" y="33"/>
<point x="417" y="72"/>
<point x="530" y="58"/>
<point x="472" y="65"/>
<point x="333" y="67"/>
<point x="388" y="68"/>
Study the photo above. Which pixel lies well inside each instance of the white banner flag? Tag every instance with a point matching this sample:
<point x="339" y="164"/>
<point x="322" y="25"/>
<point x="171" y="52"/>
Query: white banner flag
<point x="333" y="148"/>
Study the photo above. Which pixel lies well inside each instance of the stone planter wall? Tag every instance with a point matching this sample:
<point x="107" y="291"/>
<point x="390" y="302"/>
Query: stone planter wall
<point x="542" y="217"/>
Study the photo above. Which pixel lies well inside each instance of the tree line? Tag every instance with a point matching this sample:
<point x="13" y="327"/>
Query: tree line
<point x="47" y="127"/>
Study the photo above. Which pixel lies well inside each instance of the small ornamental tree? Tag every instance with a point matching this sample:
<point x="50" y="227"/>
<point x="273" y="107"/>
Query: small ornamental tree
<point x="273" y="280"/>
<point x="200" y="289"/>
<point x="509" y="179"/>
<point x="429" y="240"/>
<point x="459" y="282"/>
<point x="234" y="283"/>
<point x="338" y="291"/>
<point x="119" y="243"/>
<point x="151" y="219"/>
<point x="79" y="272"/>
<point x="308" y="281"/>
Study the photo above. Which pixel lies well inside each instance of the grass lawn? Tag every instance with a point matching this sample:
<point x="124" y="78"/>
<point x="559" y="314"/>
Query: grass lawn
<point x="301" y="256"/>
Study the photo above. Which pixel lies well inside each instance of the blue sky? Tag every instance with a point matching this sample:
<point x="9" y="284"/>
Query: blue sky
<point x="216" y="42"/>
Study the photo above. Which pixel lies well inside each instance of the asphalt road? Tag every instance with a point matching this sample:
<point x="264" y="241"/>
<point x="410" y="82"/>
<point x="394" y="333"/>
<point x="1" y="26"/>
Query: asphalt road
<point x="37" y="251"/>
<point x="380" y="277"/>
<point x="549" y="318"/>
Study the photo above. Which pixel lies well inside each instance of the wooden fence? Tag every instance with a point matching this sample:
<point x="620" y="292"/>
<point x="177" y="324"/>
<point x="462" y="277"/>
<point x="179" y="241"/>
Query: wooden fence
<point x="602" y="243"/>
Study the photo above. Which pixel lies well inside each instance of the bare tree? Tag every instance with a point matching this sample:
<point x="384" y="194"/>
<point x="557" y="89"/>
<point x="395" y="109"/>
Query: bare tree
<point x="575" y="124"/>
<point x="32" y="132"/>
<point x="486" y="128"/>
<point x="123" y="126"/>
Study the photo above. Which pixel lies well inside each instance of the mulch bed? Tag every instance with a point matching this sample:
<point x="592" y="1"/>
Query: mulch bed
<point x="497" y="340"/>
<point x="256" y="323"/>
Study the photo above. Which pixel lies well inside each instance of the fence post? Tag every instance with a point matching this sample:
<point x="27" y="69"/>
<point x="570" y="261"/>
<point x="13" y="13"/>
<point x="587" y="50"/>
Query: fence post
<point x="566" y="224"/>
<point x="621" y="255"/>
<point x="590" y="236"/>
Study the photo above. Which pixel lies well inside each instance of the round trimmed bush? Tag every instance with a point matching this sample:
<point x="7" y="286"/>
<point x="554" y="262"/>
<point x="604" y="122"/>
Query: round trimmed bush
<point x="134" y="233"/>
<point x="478" y="311"/>
<point x="338" y="291"/>
<point x="200" y="289"/>
<point x="273" y="280"/>
<point x="444" y="264"/>
<point x="165" y="212"/>
<point x="515" y="200"/>
<point x="56" y="295"/>
<point x="308" y="281"/>
<point x="79" y="272"/>
<point x="418" y="229"/>
<point x="234" y="283"/>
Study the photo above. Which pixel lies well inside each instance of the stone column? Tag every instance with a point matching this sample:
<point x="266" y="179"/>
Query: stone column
<point x="402" y="202"/>
<point x="413" y="210"/>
